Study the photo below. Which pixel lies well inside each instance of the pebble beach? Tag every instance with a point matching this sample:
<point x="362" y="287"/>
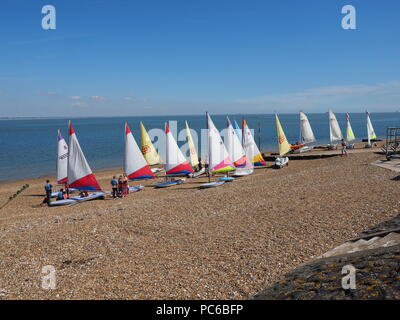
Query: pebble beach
<point x="184" y="243"/>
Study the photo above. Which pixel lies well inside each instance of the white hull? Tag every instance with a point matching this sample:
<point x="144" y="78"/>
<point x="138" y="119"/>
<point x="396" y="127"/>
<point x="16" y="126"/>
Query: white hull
<point x="212" y="184"/>
<point x="242" y="172"/>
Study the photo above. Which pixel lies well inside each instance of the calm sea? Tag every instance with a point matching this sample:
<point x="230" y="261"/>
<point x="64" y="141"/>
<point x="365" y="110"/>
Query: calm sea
<point x="28" y="146"/>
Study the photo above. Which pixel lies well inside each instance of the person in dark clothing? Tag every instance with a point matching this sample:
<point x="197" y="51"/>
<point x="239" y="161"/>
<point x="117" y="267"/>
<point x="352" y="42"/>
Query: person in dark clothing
<point x="60" y="194"/>
<point x="49" y="189"/>
<point x="200" y="165"/>
<point x="114" y="186"/>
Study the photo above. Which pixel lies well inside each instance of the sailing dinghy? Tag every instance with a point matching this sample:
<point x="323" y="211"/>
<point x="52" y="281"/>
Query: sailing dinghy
<point x="335" y="134"/>
<point x="284" y="146"/>
<point x="219" y="160"/>
<point x="248" y="168"/>
<point x="175" y="162"/>
<point x="306" y="135"/>
<point x="135" y="165"/>
<point x="80" y="176"/>
<point x="349" y="132"/>
<point x="370" y="131"/>
<point x="234" y="146"/>
<point x="194" y="159"/>
<point x="254" y="153"/>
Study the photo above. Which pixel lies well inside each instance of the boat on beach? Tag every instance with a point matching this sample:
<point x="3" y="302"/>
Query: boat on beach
<point x="306" y="135"/>
<point x="219" y="160"/>
<point x="79" y="173"/>
<point x="284" y="146"/>
<point x="135" y="165"/>
<point x="175" y="162"/>
<point x="350" y="137"/>
<point x="335" y="134"/>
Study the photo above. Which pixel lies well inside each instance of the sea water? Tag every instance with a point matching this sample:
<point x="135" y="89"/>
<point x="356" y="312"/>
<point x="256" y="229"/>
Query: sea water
<point x="28" y="146"/>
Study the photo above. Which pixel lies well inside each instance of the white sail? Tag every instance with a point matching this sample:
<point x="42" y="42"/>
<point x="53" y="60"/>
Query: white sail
<point x="80" y="176"/>
<point x="370" y="129"/>
<point x="218" y="157"/>
<point x="135" y="165"/>
<point x="234" y="146"/>
<point x="252" y="151"/>
<point x="62" y="159"/>
<point x="306" y="133"/>
<point x="334" y="129"/>
<point x="175" y="162"/>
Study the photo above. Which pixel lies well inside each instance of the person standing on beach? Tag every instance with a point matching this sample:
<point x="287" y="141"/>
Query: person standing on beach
<point x="114" y="186"/>
<point x="344" y="148"/>
<point x="125" y="185"/>
<point x="120" y="186"/>
<point x="48" y="188"/>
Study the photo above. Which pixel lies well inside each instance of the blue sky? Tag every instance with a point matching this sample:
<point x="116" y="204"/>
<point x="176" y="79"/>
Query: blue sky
<point x="184" y="57"/>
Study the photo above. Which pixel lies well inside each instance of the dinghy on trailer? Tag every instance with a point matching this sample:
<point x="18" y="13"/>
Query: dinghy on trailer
<point x="219" y="160"/>
<point x="284" y="146"/>
<point x="135" y="165"/>
<point x="335" y="134"/>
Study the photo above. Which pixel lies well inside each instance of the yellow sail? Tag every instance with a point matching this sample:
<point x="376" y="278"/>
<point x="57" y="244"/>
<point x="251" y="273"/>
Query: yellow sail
<point x="148" y="150"/>
<point x="284" y="146"/>
<point x="194" y="159"/>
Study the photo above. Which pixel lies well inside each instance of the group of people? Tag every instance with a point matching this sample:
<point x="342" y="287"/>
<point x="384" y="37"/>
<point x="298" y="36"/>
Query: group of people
<point x="62" y="194"/>
<point x="120" y="186"/>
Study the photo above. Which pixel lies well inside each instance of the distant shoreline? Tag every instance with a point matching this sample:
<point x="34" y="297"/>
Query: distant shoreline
<point x="172" y="115"/>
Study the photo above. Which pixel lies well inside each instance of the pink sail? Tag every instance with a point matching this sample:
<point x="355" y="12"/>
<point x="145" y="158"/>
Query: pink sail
<point x="175" y="161"/>
<point x="80" y="175"/>
<point x="135" y="166"/>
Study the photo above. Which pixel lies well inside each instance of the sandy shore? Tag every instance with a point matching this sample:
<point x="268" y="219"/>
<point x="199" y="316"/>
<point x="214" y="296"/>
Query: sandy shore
<point x="184" y="243"/>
